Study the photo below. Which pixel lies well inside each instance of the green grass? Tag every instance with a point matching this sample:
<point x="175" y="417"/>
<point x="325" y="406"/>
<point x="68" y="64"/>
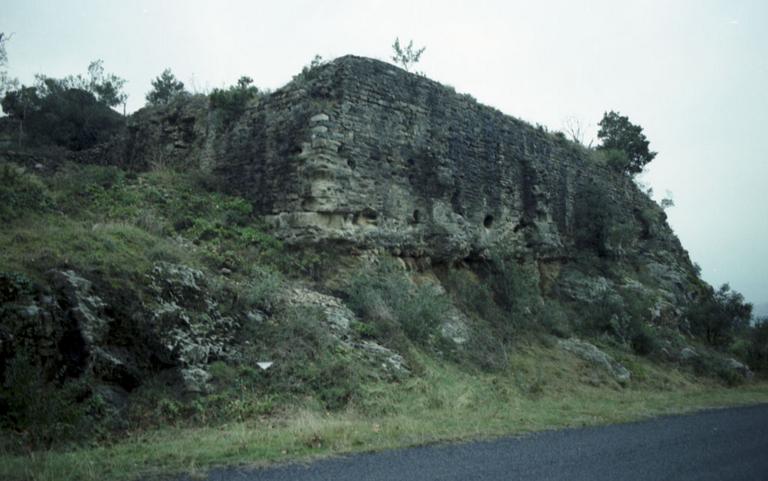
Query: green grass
<point x="113" y="226"/>
<point x="544" y="388"/>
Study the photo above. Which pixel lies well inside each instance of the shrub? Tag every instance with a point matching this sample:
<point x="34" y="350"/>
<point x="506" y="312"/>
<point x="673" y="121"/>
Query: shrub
<point x="474" y="297"/>
<point x="21" y="193"/>
<point x="757" y="350"/>
<point x="644" y="340"/>
<point x="233" y="101"/>
<point x="165" y="89"/>
<point x="307" y="358"/>
<point x="392" y="305"/>
<point x="719" y="316"/>
<point x="715" y="367"/>
<point x="32" y="404"/>
<point x="55" y="113"/>
<point x="516" y="291"/>
<point x="309" y="71"/>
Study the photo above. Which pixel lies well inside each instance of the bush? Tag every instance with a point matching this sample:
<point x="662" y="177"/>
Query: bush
<point x="33" y="405"/>
<point x="165" y="89"/>
<point x="21" y="193"/>
<point x="757" y="350"/>
<point x="307" y="360"/>
<point x="391" y="305"/>
<point x="719" y="316"/>
<point x="233" y="101"/>
<point x="644" y="340"/>
<point x="715" y="367"/>
<point x="54" y="113"/>
<point x="516" y="291"/>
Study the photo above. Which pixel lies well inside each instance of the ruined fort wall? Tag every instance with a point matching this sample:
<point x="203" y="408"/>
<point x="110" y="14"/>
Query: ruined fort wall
<point x="364" y="151"/>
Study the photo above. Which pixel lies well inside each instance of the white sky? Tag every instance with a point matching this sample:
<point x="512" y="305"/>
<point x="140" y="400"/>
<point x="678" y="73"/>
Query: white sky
<point x="694" y="74"/>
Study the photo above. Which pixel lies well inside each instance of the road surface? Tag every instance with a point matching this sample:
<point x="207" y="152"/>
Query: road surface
<point x="725" y="444"/>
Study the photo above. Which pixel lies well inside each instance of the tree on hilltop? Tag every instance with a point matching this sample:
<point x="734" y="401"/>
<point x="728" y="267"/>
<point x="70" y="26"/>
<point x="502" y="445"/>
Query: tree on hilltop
<point x="165" y="88"/>
<point x="406" y="56"/>
<point x="617" y="133"/>
<point x="6" y="83"/>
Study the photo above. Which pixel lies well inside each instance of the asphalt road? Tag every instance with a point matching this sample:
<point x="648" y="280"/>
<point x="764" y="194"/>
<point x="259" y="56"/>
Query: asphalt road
<point x="725" y="444"/>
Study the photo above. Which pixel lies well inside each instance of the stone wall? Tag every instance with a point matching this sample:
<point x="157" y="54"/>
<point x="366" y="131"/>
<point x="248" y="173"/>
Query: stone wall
<point x="361" y="151"/>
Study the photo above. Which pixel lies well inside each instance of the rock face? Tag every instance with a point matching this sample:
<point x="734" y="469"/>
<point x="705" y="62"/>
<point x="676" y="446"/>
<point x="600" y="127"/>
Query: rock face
<point x="364" y="152"/>
<point x="361" y="153"/>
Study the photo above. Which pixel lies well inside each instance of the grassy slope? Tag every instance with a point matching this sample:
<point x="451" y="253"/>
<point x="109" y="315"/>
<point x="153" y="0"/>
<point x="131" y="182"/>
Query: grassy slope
<point x="112" y="226"/>
<point x="543" y="389"/>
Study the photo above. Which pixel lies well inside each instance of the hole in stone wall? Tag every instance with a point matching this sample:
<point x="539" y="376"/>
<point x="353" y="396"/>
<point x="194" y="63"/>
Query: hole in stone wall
<point x="366" y="216"/>
<point x="369" y="214"/>
<point x="351" y="163"/>
<point x="416" y="216"/>
<point x="488" y="221"/>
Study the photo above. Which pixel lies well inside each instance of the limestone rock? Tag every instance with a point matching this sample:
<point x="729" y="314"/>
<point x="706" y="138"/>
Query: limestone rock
<point x="738" y="367"/>
<point x="590" y="353"/>
<point x="339" y="320"/>
<point x="186" y="319"/>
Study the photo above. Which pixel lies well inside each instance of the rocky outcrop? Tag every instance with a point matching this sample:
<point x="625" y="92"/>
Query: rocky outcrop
<point x="590" y="353"/>
<point x="339" y="319"/>
<point x="174" y="321"/>
<point x="360" y="153"/>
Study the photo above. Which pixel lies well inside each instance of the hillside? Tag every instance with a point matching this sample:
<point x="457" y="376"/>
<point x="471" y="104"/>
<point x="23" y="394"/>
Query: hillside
<point x="394" y="249"/>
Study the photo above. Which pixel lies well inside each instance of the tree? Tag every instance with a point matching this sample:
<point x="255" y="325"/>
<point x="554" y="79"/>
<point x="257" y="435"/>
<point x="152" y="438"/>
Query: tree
<point x="574" y="129"/>
<point x="165" y="88"/>
<point x="108" y="88"/>
<point x="719" y="316"/>
<point x="65" y="111"/>
<point x="757" y="352"/>
<point x="233" y="101"/>
<point x="6" y="83"/>
<point x="19" y="104"/>
<point x="3" y="55"/>
<point x="408" y="56"/>
<point x="618" y="133"/>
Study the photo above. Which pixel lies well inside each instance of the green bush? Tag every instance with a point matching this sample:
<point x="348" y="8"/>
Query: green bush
<point x="307" y="359"/>
<point x="757" y="350"/>
<point x="233" y="101"/>
<point x="714" y="367"/>
<point x="473" y="296"/>
<point x="644" y="340"/>
<point x="516" y="291"/>
<point x="43" y="412"/>
<point x="56" y="113"/>
<point x="21" y="193"/>
<point x="392" y="305"/>
<point x="719" y="316"/>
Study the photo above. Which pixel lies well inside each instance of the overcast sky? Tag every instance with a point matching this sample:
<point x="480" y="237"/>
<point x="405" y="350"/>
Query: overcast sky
<point x="694" y="74"/>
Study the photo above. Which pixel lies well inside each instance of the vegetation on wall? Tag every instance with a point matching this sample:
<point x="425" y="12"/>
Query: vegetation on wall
<point x="627" y="140"/>
<point x="232" y="102"/>
<point x="165" y="88"/>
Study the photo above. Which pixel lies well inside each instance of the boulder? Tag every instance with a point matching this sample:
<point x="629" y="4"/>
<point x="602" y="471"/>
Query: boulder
<point x="590" y="353"/>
